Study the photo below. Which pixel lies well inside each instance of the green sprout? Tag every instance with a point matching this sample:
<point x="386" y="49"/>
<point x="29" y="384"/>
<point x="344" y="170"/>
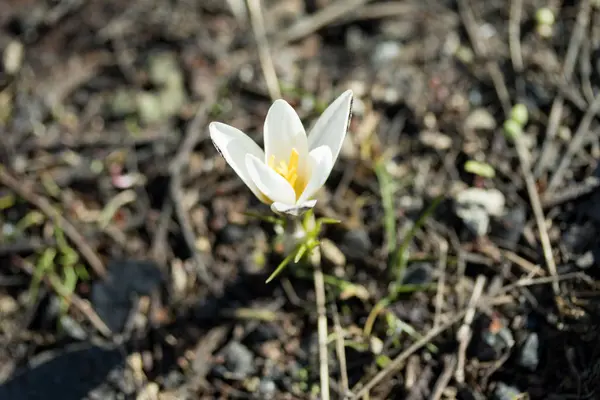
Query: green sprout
<point x="513" y="127"/>
<point x="482" y="169"/>
<point x="545" y="21"/>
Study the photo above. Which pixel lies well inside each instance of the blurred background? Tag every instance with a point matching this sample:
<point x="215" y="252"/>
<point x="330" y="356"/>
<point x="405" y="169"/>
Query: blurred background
<point x="466" y="261"/>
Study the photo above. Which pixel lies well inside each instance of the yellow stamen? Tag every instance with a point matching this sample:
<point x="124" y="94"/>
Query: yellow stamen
<point x="289" y="171"/>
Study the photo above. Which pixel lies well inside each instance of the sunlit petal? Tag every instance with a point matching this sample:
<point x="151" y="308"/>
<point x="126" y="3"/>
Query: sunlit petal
<point x="283" y="131"/>
<point x="331" y="127"/>
<point x="321" y="163"/>
<point x="234" y="145"/>
<point x="269" y="182"/>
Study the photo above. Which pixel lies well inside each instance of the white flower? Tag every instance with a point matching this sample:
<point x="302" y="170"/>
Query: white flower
<point x="293" y="167"/>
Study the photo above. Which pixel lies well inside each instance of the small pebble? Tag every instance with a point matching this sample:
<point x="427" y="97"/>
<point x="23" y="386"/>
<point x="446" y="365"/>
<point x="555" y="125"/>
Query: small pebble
<point x="231" y="234"/>
<point x="239" y="360"/>
<point x="385" y="52"/>
<point x="267" y="389"/>
<point x="480" y="119"/>
<point x="506" y="392"/>
<point x="586" y="260"/>
<point x="475" y="219"/>
<point x="418" y="273"/>
<point x="474" y="207"/>
<point x="491" y="200"/>
<point x="356" y="243"/>
<point x="435" y="140"/>
<point x="529" y="355"/>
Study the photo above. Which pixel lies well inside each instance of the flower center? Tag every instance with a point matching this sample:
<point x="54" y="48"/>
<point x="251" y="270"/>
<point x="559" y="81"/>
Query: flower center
<point x="289" y="171"/>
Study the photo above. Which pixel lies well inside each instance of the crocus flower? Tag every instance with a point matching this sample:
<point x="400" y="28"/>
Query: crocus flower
<point x="293" y="166"/>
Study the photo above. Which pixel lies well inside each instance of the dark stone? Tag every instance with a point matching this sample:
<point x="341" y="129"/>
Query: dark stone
<point x="509" y="227"/>
<point x="231" y="234"/>
<point x="74" y="374"/>
<point x="468" y="393"/>
<point x="577" y="239"/>
<point x="112" y="298"/>
<point x="356" y="244"/>
<point x="418" y="273"/>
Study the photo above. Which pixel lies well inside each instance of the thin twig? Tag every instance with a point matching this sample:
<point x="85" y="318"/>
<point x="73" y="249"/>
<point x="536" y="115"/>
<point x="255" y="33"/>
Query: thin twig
<point x="159" y="246"/>
<point x="396" y="9"/>
<point x="439" y="296"/>
<point x="399" y="360"/>
<point x="194" y="133"/>
<point x="321" y="323"/>
<point x="572" y="192"/>
<point x="481" y="51"/>
<point x="444" y="379"/>
<point x="341" y="351"/>
<point x="585" y="71"/>
<point x="318" y="20"/>
<point x="538" y="212"/>
<point x="264" y="54"/>
<point x="583" y="130"/>
<point x="557" y="106"/>
<point x="23" y="189"/>
<point x="514" y="35"/>
<point x="529" y="281"/>
<point x="464" y="333"/>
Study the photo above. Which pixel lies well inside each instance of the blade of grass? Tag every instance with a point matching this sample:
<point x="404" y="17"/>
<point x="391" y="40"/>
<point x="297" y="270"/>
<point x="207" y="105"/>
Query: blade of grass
<point x="401" y="259"/>
<point x="283" y="264"/>
<point x="387" y="200"/>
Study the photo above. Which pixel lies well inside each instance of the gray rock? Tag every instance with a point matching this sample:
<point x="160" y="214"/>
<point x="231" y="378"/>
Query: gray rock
<point x="356" y="244"/>
<point x="385" y="52"/>
<point x="475" y="219"/>
<point x="586" y="260"/>
<point x="112" y="298"/>
<point x="239" y="360"/>
<point x="529" y="355"/>
<point x="506" y="392"/>
<point x="474" y="207"/>
<point x="491" y="200"/>
<point x="267" y="389"/>
<point x="418" y="274"/>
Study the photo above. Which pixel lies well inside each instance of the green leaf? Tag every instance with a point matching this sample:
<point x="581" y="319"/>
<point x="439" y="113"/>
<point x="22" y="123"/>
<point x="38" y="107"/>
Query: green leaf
<point x="480" y="168"/>
<point x="266" y="218"/>
<point x="301" y="251"/>
<point x="383" y="361"/>
<point x="326" y="220"/>
<point x="387" y="200"/>
<point x="281" y="266"/>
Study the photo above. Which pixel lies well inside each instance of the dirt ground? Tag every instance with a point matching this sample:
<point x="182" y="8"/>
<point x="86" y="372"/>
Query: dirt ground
<point x="467" y="259"/>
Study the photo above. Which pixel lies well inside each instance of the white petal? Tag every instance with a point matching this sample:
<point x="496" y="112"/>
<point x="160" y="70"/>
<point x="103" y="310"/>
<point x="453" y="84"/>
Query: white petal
<point x="331" y="127"/>
<point x="234" y="145"/>
<point x="321" y="163"/>
<point x="283" y="131"/>
<point x="269" y="182"/>
<point x="295" y="210"/>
